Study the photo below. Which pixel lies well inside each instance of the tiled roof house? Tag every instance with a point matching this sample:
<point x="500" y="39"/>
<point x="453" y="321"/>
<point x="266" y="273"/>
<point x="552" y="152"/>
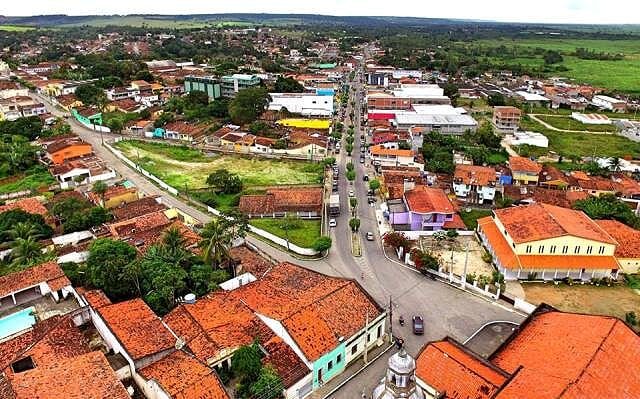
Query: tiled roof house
<point x="628" y="250"/>
<point x="305" y="202"/>
<point x="424" y="209"/>
<point x="25" y="285"/>
<point x="475" y="184"/>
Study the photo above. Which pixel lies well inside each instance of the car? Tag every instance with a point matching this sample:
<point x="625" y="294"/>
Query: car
<point x="369" y="236"/>
<point x="333" y="223"/>
<point x="372" y="200"/>
<point x="365" y="178"/>
<point x="338" y="146"/>
<point x="418" y="325"/>
<point x="351" y="193"/>
<point x="361" y="160"/>
<point x="370" y="192"/>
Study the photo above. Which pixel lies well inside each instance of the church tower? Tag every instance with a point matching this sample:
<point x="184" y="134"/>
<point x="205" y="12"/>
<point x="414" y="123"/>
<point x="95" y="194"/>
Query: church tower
<point x="400" y="381"/>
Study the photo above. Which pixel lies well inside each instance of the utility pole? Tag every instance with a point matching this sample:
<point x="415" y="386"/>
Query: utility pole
<point x="390" y="319"/>
<point x="466" y="259"/>
<point x="366" y="338"/>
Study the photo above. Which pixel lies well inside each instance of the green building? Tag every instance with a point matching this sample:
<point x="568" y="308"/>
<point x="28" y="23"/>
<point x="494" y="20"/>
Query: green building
<point x="87" y="115"/>
<point x="208" y="84"/>
<point x="231" y="84"/>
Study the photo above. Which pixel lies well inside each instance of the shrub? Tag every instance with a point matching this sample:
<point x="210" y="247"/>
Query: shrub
<point x="631" y="318"/>
<point x="396" y="240"/>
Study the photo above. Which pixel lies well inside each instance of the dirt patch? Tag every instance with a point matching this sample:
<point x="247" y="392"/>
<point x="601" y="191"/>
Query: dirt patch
<point x="445" y="249"/>
<point x="612" y="301"/>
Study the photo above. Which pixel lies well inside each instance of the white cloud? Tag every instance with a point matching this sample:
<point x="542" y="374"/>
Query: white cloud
<point x="552" y="11"/>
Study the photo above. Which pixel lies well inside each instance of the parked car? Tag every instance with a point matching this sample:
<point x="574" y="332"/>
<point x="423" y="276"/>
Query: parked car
<point x="370" y="193"/>
<point x="365" y="178"/>
<point x="369" y="236"/>
<point x="361" y="160"/>
<point x="351" y="193"/>
<point x="333" y="223"/>
<point x="418" y="325"/>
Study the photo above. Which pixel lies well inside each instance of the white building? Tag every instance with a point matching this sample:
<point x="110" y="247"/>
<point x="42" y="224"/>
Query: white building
<point x="529" y="138"/>
<point x="443" y="118"/>
<point x="591" y="119"/>
<point x="305" y="104"/>
<point x="609" y="103"/>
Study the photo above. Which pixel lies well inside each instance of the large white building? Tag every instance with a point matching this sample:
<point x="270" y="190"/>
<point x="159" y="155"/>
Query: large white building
<point x="443" y="118"/>
<point x="609" y="103"/>
<point x="305" y="104"/>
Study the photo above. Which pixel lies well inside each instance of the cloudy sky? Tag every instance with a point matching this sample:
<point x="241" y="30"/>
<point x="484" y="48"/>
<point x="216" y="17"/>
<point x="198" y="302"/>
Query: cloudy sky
<point x="552" y="11"/>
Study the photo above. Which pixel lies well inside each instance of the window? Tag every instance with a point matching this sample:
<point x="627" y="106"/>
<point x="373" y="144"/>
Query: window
<point x="23" y="364"/>
<point x="339" y="358"/>
<point x="601" y="250"/>
<point x="577" y="249"/>
<point x="552" y="250"/>
<point x="330" y="365"/>
<point x="589" y="250"/>
<point x="528" y="249"/>
<point x="354" y="349"/>
<point x="565" y="249"/>
<point x="541" y="249"/>
<point x="379" y="331"/>
<point x="368" y="337"/>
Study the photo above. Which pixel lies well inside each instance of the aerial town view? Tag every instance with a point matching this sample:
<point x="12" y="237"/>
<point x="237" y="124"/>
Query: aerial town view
<point x="336" y="200"/>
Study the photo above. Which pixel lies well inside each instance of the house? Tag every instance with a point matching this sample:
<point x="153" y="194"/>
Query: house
<point x="524" y="170"/>
<point x="475" y="184"/>
<point x="552" y="354"/>
<point x="114" y="196"/>
<point x="423" y="210"/>
<point x="303" y="202"/>
<point x="140" y="207"/>
<point x="30" y="205"/>
<point x="528" y="138"/>
<point x="215" y="137"/>
<point x="628" y="250"/>
<point x="67" y="149"/>
<point x="591" y="119"/>
<point x="594" y="185"/>
<point x="311" y="324"/>
<point x="9" y="89"/>
<point x="85" y="170"/>
<point x="126" y="105"/>
<point x="68" y="101"/>
<point x="388" y="155"/>
<point x="87" y="115"/>
<point x="532" y="194"/>
<point x="548" y="242"/>
<point x="506" y="119"/>
<point x="54" y="357"/>
<point x="305" y="104"/>
<point x="186" y="131"/>
<point x="131" y="329"/>
<point x="32" y="283"/>
<point x="395" y="182"/>
<point x="609" y="103"/>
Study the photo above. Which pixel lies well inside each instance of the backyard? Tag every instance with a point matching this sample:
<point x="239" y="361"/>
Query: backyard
<point x="470" y="218"/>
<point x="305" y="233"/>
<point x="613" y="301"/>
<point x="181" y="166"/>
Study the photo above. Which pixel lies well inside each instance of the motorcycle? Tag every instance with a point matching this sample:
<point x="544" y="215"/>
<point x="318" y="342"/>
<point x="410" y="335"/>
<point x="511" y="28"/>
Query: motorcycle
<point x="401" y="320"/>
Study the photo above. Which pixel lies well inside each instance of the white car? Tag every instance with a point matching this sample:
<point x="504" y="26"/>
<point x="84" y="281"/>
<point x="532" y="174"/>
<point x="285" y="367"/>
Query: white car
<point x="333" y="223"/>
<point x="351" y="193"/>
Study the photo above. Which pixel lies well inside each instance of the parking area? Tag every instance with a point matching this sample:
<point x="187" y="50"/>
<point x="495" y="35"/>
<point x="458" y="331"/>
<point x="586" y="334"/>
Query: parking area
<point x="453" y="252"/>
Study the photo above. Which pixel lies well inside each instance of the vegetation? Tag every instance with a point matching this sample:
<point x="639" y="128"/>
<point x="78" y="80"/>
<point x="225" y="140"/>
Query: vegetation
<point x="218" y="236"/>
<point x="568" y="123"/>
<point x="424" y="260"/>
<point x="33" y="179"/>
<point x="608" y="207"/>
<point x="224" y="182"/>
<point x="287" y="85"/>
<point x="396" y="240"/>
<point x="248" y="105"/>
<point x="322" y="244"/>
<point x="78" y="215"/>
<point x="304" y="233"/>
<point x="471" y="217"/>
<point x="354" y="223"/>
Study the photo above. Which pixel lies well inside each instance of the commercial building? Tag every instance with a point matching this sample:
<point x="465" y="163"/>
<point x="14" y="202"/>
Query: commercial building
<point x="442" y="118"/>
<point x="547" y="242"/>
<point x="609" y="103"/>
<point x="305" y="104"/>
<point x="208" y="84"/>
<point x="230" y="85"/>
<point x="506" y="119"/>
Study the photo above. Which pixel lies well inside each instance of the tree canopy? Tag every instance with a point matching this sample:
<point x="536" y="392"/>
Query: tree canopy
<point x="287" y="85"/>
<point x="248" y="105"/>
<point x="608" y="206"/>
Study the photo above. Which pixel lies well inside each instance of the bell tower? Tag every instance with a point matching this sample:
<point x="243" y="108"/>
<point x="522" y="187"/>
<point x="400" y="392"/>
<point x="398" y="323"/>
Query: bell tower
<point x="400" y="381"/>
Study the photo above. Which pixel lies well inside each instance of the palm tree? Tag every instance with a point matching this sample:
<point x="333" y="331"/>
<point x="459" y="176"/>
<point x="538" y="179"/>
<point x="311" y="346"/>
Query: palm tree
<point x="615" y="164"/>
<point x="22" y="230"/>
<point x="25" y="251"/>
<point x="216" y="242"/>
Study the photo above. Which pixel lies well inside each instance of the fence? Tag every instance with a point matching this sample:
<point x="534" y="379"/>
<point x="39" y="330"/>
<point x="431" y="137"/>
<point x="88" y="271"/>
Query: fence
<point x="260" y="232"/>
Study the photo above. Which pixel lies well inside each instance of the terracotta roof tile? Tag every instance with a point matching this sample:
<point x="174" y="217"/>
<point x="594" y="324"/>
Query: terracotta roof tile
<point x="455" y="223"/>
<point x="112" y="192"/>
<point x="249" y="261"/>
<point x="184" y="377"/>
<point x="475" y="175"/>
<point x="543" y="221"/>
<point x="447" y="366"/>
<point x="29" y="205"/>
<point x="424" y="199"/>
<point x="522" y="164"/>
<point x="561" y="198"/>
<point x="280" y="200"/>
<point x="137" y="208"/>
<point x="285" y="361"/>
<point x="96" y="298"/>
<point x="137" y="328"/>
<point x="381" y="150"/>
<point x="566" y="355"/>
<point x="48" y="272"/>
<point x="499" y="244"/>
<point x="628" y="238"/>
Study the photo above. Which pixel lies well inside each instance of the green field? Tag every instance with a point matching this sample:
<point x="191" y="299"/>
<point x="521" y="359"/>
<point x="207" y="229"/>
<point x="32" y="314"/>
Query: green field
<point x="181" y="165"/>
<point x="568" y="123"/>
<point x="139" y="21"/>
<point x="582" y="144"/>
<point x="618" y="75"/>
<point x="36" y="178"/>
<point x="303" y="236"/>
<point x="15" y="28"/>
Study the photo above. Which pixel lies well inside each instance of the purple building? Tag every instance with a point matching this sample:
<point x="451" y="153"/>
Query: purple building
<point x="423" y="209"/>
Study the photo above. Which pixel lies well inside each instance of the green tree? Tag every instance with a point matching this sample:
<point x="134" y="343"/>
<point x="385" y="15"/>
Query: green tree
<point x="287" y="85"/>
<point x="100" y="188"/>
<point x="354" y="223"/>
<point x="329" y="161"/>
<point x="552" y="57"/>
<point x="115" y="124"/>
<point x="163" y="279"/>
<point x="268" y="385"/>
<point x="106" y="266"/>
<point x="248" y="105"/>
<point x="374" y="185"/>
<point x="90" y="94"/>
<point x="25" y="252"/>
<point x="196" y="98"/>
<point x="608" y="206"/>
<point x="246" y="363"/>
<point x="223" y="181"/>
<point x="9" y="219"/>
<point x="322" y="244"/>
<point x="496" y="99"/>
<point x="351" y="175"/>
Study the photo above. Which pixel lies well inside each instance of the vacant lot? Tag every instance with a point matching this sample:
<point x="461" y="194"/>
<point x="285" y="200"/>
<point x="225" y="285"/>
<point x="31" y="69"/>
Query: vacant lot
<point x="612" y="301"/>
<point x="304" y="235"/>
<point x="32" y="180"/>
<point x="181" y="165"/>
<point x="15" y="28"/>
<point x="568" y="123"/>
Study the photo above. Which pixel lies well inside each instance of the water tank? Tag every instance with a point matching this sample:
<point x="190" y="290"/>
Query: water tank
<point x="190" y="298"/>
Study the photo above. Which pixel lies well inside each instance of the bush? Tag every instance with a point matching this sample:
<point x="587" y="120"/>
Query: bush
<point x="631" y="318"/>
<point x="396" y="240"/>
<point x="322" y="244"/>
<point x="424" y="260"/>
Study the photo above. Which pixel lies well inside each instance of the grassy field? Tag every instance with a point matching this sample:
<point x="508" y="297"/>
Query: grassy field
<point x="181" y="165"/>
<point x="32" y="180"/>
<point x="15" y="28"/>
<point x="139" y="21"/>
<point x="568" y="123"/>
<point x="613" y="301"/>
<point x="470" y="219"/>
<point x="617" y="75"/>
<point x="304" y="236"/>
<point x="583" y="144"/>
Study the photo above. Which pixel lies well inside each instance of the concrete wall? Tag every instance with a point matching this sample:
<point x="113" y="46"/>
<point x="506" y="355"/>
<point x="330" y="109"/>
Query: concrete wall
<point x="359" y="339"/>
<point x="321" y="366"/>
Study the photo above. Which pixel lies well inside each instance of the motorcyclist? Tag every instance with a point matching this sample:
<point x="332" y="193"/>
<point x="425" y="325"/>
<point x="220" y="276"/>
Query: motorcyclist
<point x="401" y="320"/>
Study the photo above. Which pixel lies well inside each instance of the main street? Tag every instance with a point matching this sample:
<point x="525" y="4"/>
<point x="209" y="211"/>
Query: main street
<point x="447" y="311"/>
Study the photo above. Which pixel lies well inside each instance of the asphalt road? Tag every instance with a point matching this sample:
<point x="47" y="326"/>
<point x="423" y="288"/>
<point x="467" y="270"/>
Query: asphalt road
<point x="447" y="311"/>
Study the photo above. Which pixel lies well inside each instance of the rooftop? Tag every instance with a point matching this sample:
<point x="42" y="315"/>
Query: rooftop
<point x="628" y="238"/>
<point x="48" y="272"/>
<point x="281" y="200"/>
<point x="423" y="199"/>
<point x="137" y="328"/>
<point x="522" y="164"/>
<point x="475" y="175"/>
<point x="141" y="207"/>
<point x="29" y="205"/>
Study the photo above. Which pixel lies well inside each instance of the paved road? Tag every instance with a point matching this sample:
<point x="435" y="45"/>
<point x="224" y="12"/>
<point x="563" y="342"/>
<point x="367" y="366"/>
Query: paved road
<point x="447" y="311"/>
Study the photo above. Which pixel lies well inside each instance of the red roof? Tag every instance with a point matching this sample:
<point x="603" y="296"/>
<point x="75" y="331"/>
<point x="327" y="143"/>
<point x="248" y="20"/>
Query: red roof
<point x="423" y="199"/>
<point x="48" y="272"/>
<point x="137" y="328"/>
<point x="448" y="366"/>
<point x="628" y="238"/>
<point x="522" y="164"/>
<point x="475" y="175"/>
<point x="29" y="205"/>
<point x="184" y="377"/>
<point x="542" y="221"/>
<point x="281" y="200"/>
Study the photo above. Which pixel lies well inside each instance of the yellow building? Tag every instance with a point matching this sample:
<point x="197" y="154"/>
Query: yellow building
<point x="628" y="251"/>
<point x="115" y="196"/>
<point x="524" y="170"/>
<point x="547" y="242"/>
